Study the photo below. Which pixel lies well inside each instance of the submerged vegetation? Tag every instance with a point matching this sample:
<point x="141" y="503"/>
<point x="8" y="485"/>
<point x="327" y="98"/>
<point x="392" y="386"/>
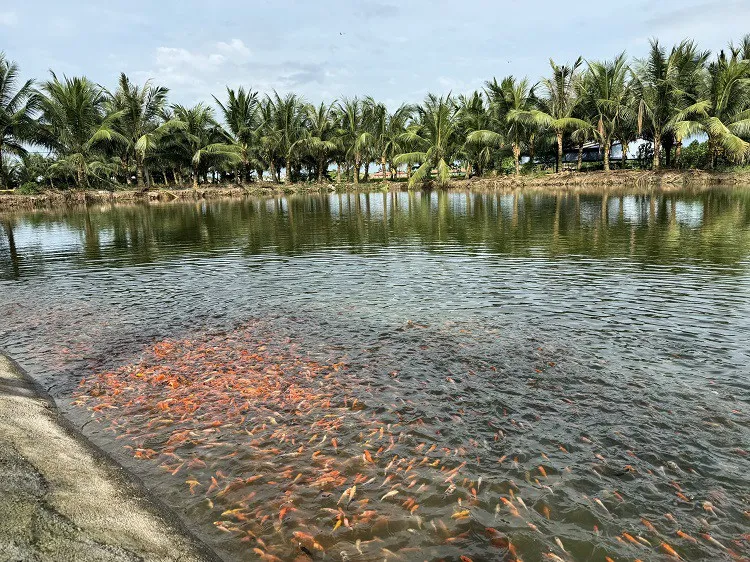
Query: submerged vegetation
<point x="85" y="135"/>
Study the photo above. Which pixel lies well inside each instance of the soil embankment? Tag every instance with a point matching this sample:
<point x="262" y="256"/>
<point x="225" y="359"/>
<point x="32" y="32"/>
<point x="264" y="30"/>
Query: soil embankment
<point x="61" y="499"/>
<point x="573" y="181"/>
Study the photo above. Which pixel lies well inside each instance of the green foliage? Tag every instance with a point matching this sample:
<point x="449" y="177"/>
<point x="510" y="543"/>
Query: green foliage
<point x="29" y="188"/>
<point x="103" y="139"/>
<point x="695" y="155"/>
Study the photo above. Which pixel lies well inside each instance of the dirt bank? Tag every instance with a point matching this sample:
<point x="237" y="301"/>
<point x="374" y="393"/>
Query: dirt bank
<point x="61" y="499"/>
<point x="588" y="181"/>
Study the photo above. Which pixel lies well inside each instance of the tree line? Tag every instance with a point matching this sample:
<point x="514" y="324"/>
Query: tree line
<point x="87" y="135"/>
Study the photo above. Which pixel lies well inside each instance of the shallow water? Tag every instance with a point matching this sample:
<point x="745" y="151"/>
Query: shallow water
<point x="604" y="339"/>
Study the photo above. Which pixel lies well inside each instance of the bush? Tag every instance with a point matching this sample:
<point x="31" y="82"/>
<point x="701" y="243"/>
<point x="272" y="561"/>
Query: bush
<point x="695" y="155"/>
<point x="28" y="188"/>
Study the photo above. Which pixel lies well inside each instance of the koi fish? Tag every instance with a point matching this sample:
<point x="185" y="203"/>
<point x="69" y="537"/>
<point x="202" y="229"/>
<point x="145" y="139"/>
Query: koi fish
<point x="713" y="541"/>
<point x="600" y="504"/>
<point x="686" y="537"/>
<point x="461" y="514"/>
<point x="669" y="550"/>
<point x="389" y="495"/>
<point x="560" y="544"/>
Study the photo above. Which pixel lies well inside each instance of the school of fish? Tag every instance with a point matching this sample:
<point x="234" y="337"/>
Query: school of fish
<point x="291" y="458"/>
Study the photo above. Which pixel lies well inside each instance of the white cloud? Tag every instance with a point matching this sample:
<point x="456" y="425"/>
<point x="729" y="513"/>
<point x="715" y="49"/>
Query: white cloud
<point x="8" y="18"/>
<point x="234" y="49"/>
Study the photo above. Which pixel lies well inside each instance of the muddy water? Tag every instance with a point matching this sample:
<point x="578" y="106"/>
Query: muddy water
<point x="587" y="354"/>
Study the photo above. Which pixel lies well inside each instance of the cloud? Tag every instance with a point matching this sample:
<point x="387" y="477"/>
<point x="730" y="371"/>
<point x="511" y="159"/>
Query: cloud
<point x="8" y="18"/>
<point x="235" y="48"/>
<point x="696" y="13"/>
<point x="370" y="9"/>
<point x="197" y="72"/>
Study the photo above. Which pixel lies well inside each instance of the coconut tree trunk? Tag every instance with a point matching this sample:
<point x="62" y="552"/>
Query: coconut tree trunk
<point x="382" y="165"/>
<point x="2" y="170"/>
<point x="624" y="155"/>
<point x="516" y="157"/>
<point x="667" y="145"/>
<point x="356" y="169"/>
<point x="126" y="168"/>
<point x="195" y="178"/>
<point x="580" y="157"/>
<point x="272" y="169"/>
<point x="657" y="150"/>
<point x="606" y="148"/>
<point x="468" y="169"/>
<point x="80" y="175"/>
<point x="367" y="171"/>
<point x="532" y="149"/>
<point x="558" y="168"/>
<point x="678" y="153"/>
<point x="408" y="171"/>
<point x="139" y="173"/>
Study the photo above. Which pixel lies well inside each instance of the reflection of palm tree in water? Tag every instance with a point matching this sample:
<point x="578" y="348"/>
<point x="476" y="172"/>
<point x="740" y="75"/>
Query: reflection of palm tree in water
<point x="8" y="229"/>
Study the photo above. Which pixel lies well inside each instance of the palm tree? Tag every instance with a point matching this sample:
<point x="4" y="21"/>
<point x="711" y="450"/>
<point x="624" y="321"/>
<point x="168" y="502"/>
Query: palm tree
<point x="140" y="109"/>
<point x="724" y="113"/>
<point x="17" y="107"/>
<point x="665" y="89"/>
<point x="473" y="115"/>
<point x="199" y="130"/>
<point x="387" y="130"/>
<point x="288" y="114"/>
<point x="242" y="117"/>
<point x="557" y="108"/>
<point x="435" y="134"/>
<point x="318" y="141"/>
<point x="355" y="134"/>
<point x="511" y="104"/>
<point x="73" y="124"/>
<point x="605" y="87"/>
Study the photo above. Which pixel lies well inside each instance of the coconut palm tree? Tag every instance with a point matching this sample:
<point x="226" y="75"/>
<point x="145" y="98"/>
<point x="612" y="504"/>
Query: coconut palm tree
<point x="556" y="110"/>
<point x="473" y="115"/>
<point x="665" y="87"/>
<point x="724" y="113"/>
<point x="286" y="125"/>
<point x="606" y="91"/>
<point x="435" y="134"/>
<point x="355" y="133"/>
<point x="198" y="131"/>
<point x="387" y="131"/>
<point x="242" y="117"/>
<point x="140" y="109"/>
<point x="75" y="125"/>
<point x="511" y="104"/>
<point x="17" y="107"/>
<point x="318" y="140"/>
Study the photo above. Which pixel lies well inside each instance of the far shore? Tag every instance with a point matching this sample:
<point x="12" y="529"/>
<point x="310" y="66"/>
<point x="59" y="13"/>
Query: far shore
<point x="588" y="182"/>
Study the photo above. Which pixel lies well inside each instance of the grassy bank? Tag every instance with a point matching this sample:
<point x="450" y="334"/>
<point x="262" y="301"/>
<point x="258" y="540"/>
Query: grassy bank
<point x="590" y="181"/>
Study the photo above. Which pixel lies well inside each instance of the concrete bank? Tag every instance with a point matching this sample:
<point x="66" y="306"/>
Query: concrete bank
<point x="62" y="499"/>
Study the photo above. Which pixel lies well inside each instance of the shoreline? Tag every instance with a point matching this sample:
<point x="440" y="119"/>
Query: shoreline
<point x="63" y="498"/>
<point x="590" y="182"/>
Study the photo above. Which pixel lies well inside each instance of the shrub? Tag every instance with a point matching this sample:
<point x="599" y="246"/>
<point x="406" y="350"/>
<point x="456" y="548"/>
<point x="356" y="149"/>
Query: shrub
<point x="28" y="188"/>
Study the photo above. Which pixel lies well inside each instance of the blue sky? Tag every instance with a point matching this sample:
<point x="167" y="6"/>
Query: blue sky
<point x="394" y="50"/>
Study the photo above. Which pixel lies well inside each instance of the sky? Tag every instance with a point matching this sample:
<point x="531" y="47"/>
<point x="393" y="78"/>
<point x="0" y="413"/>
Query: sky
<point x="393" y="50"/>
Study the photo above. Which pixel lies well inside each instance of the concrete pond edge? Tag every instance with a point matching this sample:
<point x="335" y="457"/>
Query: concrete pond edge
<point x="63" y="498"/>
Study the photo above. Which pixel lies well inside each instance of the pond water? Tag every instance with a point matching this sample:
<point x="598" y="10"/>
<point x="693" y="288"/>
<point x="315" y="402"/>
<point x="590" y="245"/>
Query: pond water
<point x="407" y="376"/>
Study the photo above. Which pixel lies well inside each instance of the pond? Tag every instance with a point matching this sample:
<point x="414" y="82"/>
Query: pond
<point x="407" y="375"/>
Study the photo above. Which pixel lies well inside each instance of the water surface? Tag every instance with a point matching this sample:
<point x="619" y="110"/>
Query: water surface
<point x="601" y="338"/>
